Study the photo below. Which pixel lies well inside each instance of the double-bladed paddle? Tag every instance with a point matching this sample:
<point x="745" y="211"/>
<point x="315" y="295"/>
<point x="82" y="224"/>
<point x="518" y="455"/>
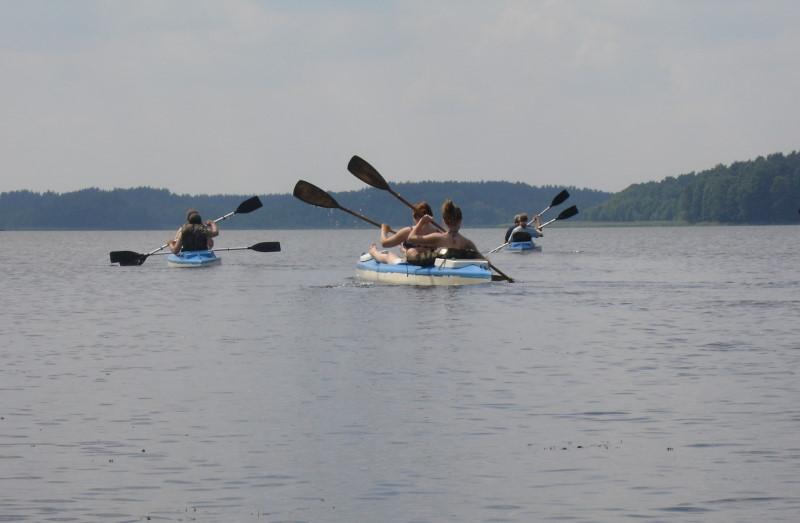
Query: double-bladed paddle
<point x="134" y="258"/>
<point x="370" y="175"/>
<point x="131" y="258"/>
<point x="567" y="213"/>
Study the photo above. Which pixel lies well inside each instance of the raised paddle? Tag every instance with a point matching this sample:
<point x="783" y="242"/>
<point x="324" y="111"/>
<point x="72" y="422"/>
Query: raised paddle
<point x="567" y="213"/>
<point x="134" y="258"/>
<point x="557" y="200"/>
<point x="370" y="175"/>
<point x="311" y="194"/>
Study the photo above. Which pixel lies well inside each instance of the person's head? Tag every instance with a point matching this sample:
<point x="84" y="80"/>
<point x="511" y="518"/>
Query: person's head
<point x="451" y="214"/>
<point x="523" y="219"/>
<point x="516" y="219"/>
<point x="192" y="216"/>
<point x="421" y="209"/>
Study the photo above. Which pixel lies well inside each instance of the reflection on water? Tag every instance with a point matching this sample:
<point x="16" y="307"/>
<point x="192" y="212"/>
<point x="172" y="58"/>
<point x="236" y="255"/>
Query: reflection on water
<point x="631" y="373"/>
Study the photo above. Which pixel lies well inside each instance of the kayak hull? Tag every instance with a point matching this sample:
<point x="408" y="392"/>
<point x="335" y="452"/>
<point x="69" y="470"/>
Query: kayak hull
<point x="193" y="259"/>
<point x="523" y="247"/>
<point x="445" y="272"/>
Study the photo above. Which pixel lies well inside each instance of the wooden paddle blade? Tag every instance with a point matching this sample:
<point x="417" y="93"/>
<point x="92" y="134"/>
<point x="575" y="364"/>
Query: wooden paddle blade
<point x="127" y="257"/>
<point x="560" y="197"/>
<point x="313" y="195"/>
<point x="249" y="205"/>
<point x="367" y="173"/>
<point x="569" y="212"/>
<point x="266" y="247"/>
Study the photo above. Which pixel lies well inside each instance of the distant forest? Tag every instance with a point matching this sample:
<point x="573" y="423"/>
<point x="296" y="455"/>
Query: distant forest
<point x="485" y="204"/>
<point x="761" y="191"/>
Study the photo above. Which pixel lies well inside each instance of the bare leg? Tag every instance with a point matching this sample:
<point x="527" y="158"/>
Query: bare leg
<point x="383" y="257"/>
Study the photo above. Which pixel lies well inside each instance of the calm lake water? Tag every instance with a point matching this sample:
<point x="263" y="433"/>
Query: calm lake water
<point x="631" y="374"/>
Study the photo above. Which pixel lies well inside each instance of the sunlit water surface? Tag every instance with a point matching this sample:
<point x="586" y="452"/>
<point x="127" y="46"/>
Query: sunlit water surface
<point x="630" y="374"/>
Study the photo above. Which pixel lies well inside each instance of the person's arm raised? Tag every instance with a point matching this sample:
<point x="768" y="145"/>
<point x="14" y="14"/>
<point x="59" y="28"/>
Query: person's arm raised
<point x="391" y="240"/>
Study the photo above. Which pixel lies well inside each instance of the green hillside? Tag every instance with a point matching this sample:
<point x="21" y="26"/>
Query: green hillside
<point x="760" y="191"/>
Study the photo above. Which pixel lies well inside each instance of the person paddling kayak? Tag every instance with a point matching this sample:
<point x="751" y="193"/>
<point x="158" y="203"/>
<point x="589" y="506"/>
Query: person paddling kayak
<point x="194" y="235"/>
<point x="455" y="244"/>
<point x="520" y="232"/>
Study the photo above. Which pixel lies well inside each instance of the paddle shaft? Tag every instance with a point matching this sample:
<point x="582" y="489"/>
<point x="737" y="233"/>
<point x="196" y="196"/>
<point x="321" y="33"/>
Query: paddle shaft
<point x="362" y="217"/>
<point x="258" y="247"/>
<point x="548" y="222"/>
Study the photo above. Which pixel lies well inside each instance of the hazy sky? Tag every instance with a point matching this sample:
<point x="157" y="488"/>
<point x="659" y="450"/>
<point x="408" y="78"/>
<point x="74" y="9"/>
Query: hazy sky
<point x="241" y="96"/>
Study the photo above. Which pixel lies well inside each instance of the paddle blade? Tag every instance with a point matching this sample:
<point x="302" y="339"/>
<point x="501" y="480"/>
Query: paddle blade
<point x="249" y="205"/>
<point x="266" y="247"/>
<point x="127" y="257"/>
<point x="560" y="197"/>
<point x="569" y="212"/>
<point x="367" y="173"/>
<point x="313" y="195"/>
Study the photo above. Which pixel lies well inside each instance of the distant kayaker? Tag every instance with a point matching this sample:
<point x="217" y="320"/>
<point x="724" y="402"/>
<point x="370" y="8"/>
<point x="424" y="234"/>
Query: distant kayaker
<point x="520" y="232"/>
<point x="508" y="231"/>
<point x="400" y="238"/>
<point x="456" y="244"/>
<point x="194" y="235"/>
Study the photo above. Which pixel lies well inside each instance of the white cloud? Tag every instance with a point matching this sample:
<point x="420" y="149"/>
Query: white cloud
<point x="247" y="97"/>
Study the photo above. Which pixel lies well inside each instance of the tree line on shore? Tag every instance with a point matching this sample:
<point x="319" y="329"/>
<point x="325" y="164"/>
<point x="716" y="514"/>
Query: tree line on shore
<point x="485" y="204"/>
<point x="765" y="190"/>
<point x="761" y="191"/>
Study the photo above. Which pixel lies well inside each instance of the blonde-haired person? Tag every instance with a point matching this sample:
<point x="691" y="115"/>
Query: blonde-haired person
<point x="410" y="250"/>
<point x="456" y="243"/>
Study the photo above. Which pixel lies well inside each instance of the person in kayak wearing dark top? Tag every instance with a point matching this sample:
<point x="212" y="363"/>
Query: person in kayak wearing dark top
<point x="194" y="235"/>
<point x="508" y="231"/>
<point x="400" y="238"/>
<point x="449" y="244"/>
<point x="521" y="232"/>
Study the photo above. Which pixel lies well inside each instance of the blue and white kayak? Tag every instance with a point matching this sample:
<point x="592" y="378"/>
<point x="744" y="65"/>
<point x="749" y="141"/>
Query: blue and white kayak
<point x="193" y="259"/>
<point x="443" y="272"/>
<point x="523" y="247"/>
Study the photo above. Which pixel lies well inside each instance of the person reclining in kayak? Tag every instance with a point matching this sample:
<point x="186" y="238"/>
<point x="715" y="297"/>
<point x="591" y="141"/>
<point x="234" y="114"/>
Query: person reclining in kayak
<point x="521" y="232"/>
<point x="194" y="235"/>
<point x="449" y="244"/>
<point x="400" y="238"/>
